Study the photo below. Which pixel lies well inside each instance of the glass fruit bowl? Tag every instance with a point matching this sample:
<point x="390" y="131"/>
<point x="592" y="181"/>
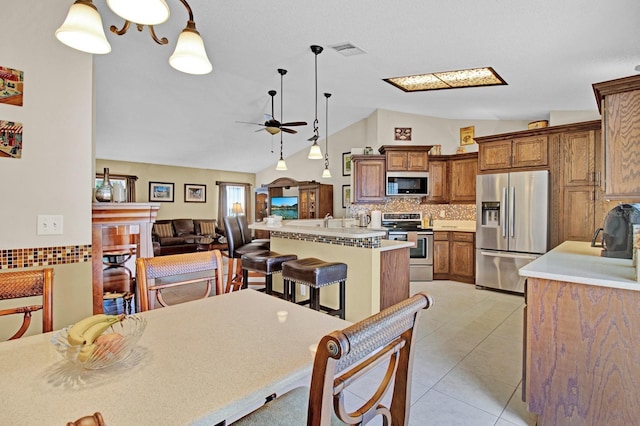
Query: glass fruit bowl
<point x="113" y="345"/>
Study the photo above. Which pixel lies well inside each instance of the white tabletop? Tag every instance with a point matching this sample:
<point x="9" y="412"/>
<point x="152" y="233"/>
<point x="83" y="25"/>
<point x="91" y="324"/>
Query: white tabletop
<point x="199" y="362"/>
<point x="578" y="262"/>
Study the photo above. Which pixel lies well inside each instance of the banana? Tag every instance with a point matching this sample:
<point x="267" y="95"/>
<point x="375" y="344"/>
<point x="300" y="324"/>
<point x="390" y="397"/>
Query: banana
<point x="75" y="333"/>
<point x="86" y="352"/>
<point x="93" y="332"/>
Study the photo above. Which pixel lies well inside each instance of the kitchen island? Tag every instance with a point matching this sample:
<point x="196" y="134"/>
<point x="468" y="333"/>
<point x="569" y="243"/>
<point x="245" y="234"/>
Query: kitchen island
<point x="582" y="338"/>
<point x="377" y="269"/>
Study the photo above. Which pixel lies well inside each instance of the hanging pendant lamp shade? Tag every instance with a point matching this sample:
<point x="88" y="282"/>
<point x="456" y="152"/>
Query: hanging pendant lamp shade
<point x="145" y="12"/>
<point x="314" y="152"/>
<point x="326" y="173"/>
<point x="281" y="166"/>
<point x="82" y="29"/>
<point x="190" y="56"/>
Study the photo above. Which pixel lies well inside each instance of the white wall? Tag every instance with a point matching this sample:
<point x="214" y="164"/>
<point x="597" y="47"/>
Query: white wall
<point x="54" y="174"/>
<point x="557" y="118"/>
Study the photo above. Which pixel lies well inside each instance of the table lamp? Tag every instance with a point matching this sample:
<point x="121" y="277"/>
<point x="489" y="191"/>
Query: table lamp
<point x="236" y="208"/>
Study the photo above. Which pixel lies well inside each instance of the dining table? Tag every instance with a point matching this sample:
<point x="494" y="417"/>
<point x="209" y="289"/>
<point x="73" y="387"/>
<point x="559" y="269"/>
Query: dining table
<point x="203" y="362"/>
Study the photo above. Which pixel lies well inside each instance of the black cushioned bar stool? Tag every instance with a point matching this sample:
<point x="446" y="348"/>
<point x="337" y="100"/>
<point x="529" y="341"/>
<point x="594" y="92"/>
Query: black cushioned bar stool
<point x="315" y="273"/>
<point x="264" y="262"/>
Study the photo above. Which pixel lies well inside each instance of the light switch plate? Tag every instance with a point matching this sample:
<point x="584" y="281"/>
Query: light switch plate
<point x="49" y="224"/>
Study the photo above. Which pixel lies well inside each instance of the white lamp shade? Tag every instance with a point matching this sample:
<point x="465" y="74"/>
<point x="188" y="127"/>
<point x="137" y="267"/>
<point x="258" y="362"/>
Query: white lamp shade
<point x="315" y="153"/>
<point x="281" y="165"/>
<point x="326" y="173"/>
<point x="190" y="56"/>
<point x="82" y="30"/>
<point x="145" y="12"/>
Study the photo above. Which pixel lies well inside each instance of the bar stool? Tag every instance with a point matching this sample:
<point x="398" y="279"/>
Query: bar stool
<point x="267" y="263"/>
<point x="315" y="273"/>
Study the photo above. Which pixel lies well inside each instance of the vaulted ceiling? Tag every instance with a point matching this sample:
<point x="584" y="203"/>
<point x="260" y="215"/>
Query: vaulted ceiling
<point x="549" y="52"/>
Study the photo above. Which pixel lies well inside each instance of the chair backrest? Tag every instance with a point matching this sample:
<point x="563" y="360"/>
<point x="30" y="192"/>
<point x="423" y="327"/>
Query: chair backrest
<point x="344" y="356"/>
<point x="234" y="234"/>
<point x="244" y="229"/>
<point x="177" y="270"/>
<point x="14" y="285"/>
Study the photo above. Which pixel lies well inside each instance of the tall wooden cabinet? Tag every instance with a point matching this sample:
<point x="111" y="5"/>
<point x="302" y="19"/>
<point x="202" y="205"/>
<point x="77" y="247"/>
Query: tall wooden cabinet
<point x="368" y="172"/>
<point x="452" y="179"/>
<point x="619" y="104"/>
<point x="315" y="200"/>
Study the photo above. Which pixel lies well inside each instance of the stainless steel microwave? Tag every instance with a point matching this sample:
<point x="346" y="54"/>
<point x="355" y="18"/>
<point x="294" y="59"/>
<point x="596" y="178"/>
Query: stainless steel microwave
<point x="408" y="184"/>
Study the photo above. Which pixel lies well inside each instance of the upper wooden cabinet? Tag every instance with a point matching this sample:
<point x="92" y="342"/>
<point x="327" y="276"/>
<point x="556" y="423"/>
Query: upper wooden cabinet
<point x="368" y="172"/>
<point x="452" y="179"/>
<point x="520" y="152"/>
<point x="619" y="103"/>
<point x="403" y="158"/>
<point x="463" y="173"/>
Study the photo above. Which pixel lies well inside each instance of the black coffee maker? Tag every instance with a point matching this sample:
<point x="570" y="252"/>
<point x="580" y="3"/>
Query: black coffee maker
<point x="617" y="231"/>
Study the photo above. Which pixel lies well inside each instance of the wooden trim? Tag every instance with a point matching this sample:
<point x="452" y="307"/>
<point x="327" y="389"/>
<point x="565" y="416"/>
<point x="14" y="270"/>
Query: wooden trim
<point x="611" y="87"/>
<point x="384" y="148"/>
<point x="586" y="125"/>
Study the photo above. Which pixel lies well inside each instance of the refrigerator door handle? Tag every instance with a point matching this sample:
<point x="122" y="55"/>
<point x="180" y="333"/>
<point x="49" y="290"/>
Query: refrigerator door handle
<point x="503" y="212"/>
<point x="512" y="211"/>
<point x="509" y="255"/>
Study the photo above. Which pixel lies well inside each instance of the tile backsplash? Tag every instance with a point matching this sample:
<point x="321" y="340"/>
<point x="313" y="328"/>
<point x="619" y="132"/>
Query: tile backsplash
<point x="400" y="204"/>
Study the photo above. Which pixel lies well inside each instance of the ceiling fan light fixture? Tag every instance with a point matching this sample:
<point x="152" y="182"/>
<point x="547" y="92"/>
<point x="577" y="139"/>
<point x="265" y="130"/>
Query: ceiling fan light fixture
<point x="145" y="12"/>
<point x="82" y="29"/>
<point x="190" y="55"/>
<point x="272" y="130"/>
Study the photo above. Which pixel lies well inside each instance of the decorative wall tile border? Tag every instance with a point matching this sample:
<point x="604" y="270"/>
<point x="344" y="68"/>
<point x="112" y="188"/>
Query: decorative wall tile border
<point x="369" y="242"/>
<point x="44" y="256"/>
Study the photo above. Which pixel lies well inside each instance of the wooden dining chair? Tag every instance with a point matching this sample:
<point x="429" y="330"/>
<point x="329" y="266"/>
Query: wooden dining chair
<point x="342" y="357"/>
<point x="93" y="420"/>
<point x="155" y="274"/>
<point x="20" y="284"/>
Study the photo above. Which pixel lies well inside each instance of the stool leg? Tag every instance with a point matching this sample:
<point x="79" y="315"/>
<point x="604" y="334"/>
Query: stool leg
<point x="343" y="299"/>
<point x="267" y="284"/>
<point x="245" y="279"/>
<point x="315" y="298"/>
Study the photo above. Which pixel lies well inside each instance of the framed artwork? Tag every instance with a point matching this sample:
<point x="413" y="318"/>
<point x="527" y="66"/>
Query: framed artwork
<point x="194" y="193"/>
<point x="402" y="134"/>
<point x="346" y="164"/>
<point x="346" y="196"/>
<point x="10" y="138"/>
<point x="161" y="191"/>
<point x="466" y="135"/>
<point x="11" y="86"/>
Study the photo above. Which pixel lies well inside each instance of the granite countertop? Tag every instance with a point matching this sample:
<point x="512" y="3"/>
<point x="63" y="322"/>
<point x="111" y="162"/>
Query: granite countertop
<point x="315" y="227"/>
<point x="578" y="262"/>
<point x="455" y="225"/>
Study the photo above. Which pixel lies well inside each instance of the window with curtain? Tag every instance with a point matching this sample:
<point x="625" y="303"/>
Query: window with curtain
<point x="231" y="193"/>
<point x="128" y="181"/>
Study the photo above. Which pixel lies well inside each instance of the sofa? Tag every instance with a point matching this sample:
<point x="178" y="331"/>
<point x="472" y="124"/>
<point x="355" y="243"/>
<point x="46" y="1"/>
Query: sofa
<point x="177" y="236"/>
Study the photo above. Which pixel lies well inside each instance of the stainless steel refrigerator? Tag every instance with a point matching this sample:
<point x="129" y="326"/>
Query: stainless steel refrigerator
<point x="512" y="212"/>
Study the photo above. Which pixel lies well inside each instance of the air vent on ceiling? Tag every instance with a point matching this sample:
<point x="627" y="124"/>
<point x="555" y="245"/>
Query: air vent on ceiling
<point x="347" y="49"/>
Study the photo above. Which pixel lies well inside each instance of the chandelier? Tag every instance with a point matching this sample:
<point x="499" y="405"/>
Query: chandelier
<point x="82" y="30"/>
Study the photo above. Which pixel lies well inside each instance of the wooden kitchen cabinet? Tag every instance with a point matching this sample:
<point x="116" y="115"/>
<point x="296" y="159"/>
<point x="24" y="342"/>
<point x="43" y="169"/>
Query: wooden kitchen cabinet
<point x="315" y="200"/>
<point x="441" y="255"/>
<point x="454" y="256"/>
<point x="438" y="182"/>
<point x="513" y="152"/>
<point x="619" y="104"/>
<point x="462" y="172"/>
<point x="452" y="179"/>
<point x="368" y="172"/>
<point x="406" y="158"/>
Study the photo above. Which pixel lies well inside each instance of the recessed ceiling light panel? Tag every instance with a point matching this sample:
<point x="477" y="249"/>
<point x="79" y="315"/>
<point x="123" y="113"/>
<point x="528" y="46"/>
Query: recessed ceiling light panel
<point x="474" y="77"/>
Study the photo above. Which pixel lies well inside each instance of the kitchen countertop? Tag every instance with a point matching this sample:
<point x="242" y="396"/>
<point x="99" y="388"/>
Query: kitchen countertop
<point x="578" y="262"/>
<point x="315" y="227"/>
<point x="454" y="225"/>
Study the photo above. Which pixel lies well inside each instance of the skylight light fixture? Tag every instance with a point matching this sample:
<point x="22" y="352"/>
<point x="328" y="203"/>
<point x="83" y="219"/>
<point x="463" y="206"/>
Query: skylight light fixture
<point x="474" y="77"/>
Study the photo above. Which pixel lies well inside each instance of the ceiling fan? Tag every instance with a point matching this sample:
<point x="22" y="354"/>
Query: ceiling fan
<point x="272" y="125"/>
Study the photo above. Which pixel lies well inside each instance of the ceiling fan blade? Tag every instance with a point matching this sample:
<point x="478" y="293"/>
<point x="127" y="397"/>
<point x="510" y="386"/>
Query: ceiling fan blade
<point x="249" y="122"/>
<point x="260" y="130"/>
<point x="295" y="123"/>
<point x="284" y="129"/>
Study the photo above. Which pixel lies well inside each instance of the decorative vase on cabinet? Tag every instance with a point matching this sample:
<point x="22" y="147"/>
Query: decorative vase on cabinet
<point x="104" y="193"/>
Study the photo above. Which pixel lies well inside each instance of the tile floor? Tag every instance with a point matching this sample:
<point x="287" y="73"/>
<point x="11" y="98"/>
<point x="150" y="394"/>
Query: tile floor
<point x="468" y="358"/>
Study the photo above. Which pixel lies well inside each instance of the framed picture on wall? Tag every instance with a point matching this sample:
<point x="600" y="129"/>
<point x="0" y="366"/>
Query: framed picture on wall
<point x="195" y="193"/>
<point x="346" y="164"/>
<point x="161" y="191"/>
<point x="346" y="196"/>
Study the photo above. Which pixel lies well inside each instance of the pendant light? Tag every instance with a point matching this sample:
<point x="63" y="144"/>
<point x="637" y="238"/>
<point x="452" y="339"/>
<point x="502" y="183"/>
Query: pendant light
<point x="82" y="29"/>
<point x="326" y="173"/>
<point x="314" y="152"/>
<point x="281" y="164"/>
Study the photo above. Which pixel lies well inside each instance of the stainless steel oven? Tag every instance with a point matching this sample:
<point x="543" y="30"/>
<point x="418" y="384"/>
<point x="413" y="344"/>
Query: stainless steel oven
<point x="420" y="256"/>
